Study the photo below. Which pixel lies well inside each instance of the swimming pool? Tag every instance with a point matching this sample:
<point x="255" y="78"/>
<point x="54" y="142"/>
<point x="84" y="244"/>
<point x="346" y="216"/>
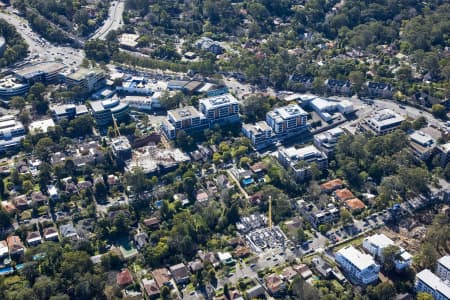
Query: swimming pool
<point x="247" y="181"/>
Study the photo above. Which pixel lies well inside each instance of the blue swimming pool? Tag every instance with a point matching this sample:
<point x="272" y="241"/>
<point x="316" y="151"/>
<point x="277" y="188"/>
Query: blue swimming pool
<point x="247" y="181"/>
<point x="9" y="270"/>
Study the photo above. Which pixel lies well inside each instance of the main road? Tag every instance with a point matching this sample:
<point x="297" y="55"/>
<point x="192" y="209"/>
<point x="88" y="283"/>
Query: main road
<point x="113" y="22"/>
<point x="40" y="49"/>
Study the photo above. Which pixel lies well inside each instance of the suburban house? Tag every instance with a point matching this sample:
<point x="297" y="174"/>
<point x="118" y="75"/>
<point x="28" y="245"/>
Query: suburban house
<point x="275" y="284"/>
<point x="124" y="278"/>
<point x="15" y="246"/>
<point x="151" y="288"/>
<point x="180" y="273"/>
<point x="51" y="234"/>
<point x="34" y="238"/>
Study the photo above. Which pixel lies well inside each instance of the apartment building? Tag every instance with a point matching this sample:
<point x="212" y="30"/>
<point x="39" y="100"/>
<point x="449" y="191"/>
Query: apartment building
<point x="220" y="109"/>
<point x="317" y="216"/>
<point x="382" y="122"/>
<point x="443" y="268"/>
<point x="427" y="282"/>
<point x="299" y="160"/>
<point x="287" y="119"/>
<point x="327" y="141"/>
<point x="360" y="268"/>
<point x="187" y="118"/>
<point x="260" y="134"/>
<point x="377" y="243"/>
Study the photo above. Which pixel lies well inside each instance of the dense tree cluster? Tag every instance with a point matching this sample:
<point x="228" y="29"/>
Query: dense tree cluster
<point x="16" y="47"/>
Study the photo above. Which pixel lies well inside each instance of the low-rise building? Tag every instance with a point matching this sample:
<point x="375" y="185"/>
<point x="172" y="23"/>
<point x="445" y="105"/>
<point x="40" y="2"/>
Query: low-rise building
<point x="128" y="40"/>
<point x="359" y="268"/>
<point x="260" y="134"/>
<point x="207" y="44"/>
<point x="15" y="245"/>
<point x="137" y="86"/>
<point x="422" y="145"/>
<point x="51" y="234"/>
<point x="354" y="205"/>
<point x="327" y="108"/>
<point x="299" y="160"/>
<point x="316" y="216"/>
<point x="34" y="238"/>
<point x="11" y="86"/>
<point x="12" y="133"/>
<point x="121" y="148"/>
<point x="68" y="231"/>
<point x="379" y="89"/>
<point x="151" y="288"/>
<point x="124" y="278"/>
<point x="382" y="122"/>
<point x="187" y="118"/>
<point x="220" y="109"/>
<point x="103" y="111"/>
<point x="88" y="79"/>
<point x="180" y="273"/>
<point x="255" y="292"/>
<point x="162" y="277"/>
<point x="443" y="268"/>
<point x="444" y="153"/>
<point x="41" y="126"/>
<point x="287" y="120"/>
<point x="45" y="72"/>
<point x="332" y="185"/>
<point x="327" y="141"/>
<point x="427" y="282"/>
<point x="68" y="111"/>
<point x="335" y="86"/>
<point x="275" y="284"/>
<point x="4" y="251"/>
<point x="376" y="244"/>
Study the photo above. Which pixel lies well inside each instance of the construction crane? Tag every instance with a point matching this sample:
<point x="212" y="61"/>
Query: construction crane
<point x="269" y="221"/>
<point x="115" y="127"/>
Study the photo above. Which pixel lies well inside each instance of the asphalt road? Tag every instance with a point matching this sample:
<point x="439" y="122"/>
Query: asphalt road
<point x="113" y="22"/>
<point x="40" y="49"/>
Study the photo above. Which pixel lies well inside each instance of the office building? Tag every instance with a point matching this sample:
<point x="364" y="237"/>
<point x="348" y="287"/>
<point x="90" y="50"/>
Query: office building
<point x="299" y="160"/>
<point x="12" y="133"/>
<point x="45" y="72"/>
<point x="104" y="110"/>
<point x="377" y="243"/>
<point x="41" y="126"/>
<point x="287" y="119"/>
<point x="382" y="122"/>
<point x="136" y="86"/>
<point x="68" y="111"/>
<point x="422" y="145"/>
<point x="11" y="86"/>
<point x="187" y="118"/>
<point x="220" y="109"/>
<point x="88" y="79"/>
<point x="327" y="141"/>
<point x="359" y="268"/>
<point x="443" y="268"/>
<point x="427" y="282"/>
<point x="260" y="134"/>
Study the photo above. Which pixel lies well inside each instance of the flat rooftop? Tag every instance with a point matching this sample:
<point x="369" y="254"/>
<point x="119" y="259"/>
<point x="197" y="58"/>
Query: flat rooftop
<point x="41" y="126"/>
<point x="445" y="261"/>
<point x="184" y="113"/>
<point x="288" y="111"/>
<point x="358" y="259"/>
<point x="385" y="117"/>
<point x="81" y="73"/>
<point x="46" y="67"/>
<point x="218" y="101"/>
<point x="434" y="282"/>
<point x="301" y="153"/>
<point x="257" y="127"/>
<point x="380" y="240"/>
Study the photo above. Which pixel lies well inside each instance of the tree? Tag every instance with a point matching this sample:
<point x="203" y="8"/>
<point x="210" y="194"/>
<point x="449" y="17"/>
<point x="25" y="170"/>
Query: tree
<point x="390" y="255"/>
<point x="44" y="287"/>
<point x="382" y="291"/>
<point x="419" y="123"/>
<point x="183" y="140"/>
<point x="439" y="111"/>
<point x="301" y="237"/>
<point x="346" y="216"/>
<point x="17" y="102"/>
<point x="165" y="293"/>
<point x="100" y="190"/>
<point x="255" y="107"/>
<point x="137" y="180"/>
<point x="424" y="296"/>
<point x="168" y="101"/>
<point x="43" y="148"/>
<point x="427" y="257"/>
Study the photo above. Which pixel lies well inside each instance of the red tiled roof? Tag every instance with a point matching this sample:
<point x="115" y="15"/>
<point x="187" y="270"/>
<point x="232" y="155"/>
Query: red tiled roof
<point x="124" y="278"/>
<point x="344" y="194"/>
<point x="332" y="185"/>
<point x="355" y="204"/>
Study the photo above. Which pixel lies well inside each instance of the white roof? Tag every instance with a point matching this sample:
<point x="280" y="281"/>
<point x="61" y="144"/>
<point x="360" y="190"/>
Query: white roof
<point x="3" y="248"/>
<point x="41" y="126"/>
<point x="218" y="101"/>
<point x="380" y="240"/>
<point x="301" y="153"/>
<point x="434" y="282"/>
<point x="224" y="256"/>
<point x="421" y="138"/>
<point x="385" y="117"/>
<point x="358" y="259"/>
<point x="445" y="261"/>
<point x="288" y="111"/>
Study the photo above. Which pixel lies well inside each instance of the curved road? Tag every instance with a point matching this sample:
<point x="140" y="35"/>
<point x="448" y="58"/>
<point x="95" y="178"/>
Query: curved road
<point x="114" y="21"/>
